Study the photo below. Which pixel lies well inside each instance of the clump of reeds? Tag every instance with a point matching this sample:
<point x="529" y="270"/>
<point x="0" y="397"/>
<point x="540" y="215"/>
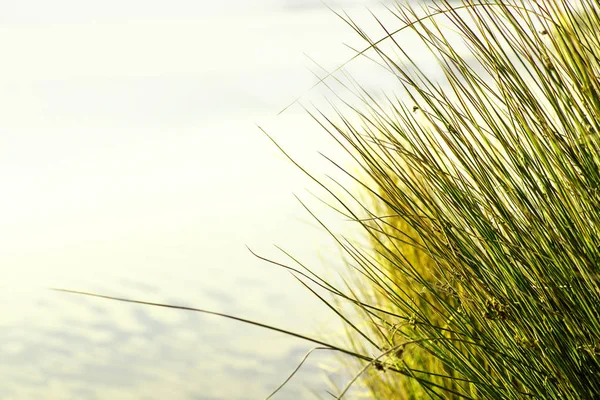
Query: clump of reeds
<point x="481" y="277"/>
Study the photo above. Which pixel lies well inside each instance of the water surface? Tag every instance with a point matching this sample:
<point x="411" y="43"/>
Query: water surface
<point x="131" y="165"/>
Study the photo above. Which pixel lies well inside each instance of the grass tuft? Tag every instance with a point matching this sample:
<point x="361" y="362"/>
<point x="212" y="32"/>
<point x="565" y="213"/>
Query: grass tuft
<point x="480" y="203"/>
<point x="479" y="198"/>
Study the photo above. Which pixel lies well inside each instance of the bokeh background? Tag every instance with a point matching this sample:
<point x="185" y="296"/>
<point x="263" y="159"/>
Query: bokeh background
<point x="131" y="164"/>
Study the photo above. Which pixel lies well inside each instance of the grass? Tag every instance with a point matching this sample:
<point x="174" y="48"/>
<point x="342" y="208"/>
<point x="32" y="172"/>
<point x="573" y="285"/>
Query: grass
<point x="479" y="196"/>
<point x="484" y="217"/>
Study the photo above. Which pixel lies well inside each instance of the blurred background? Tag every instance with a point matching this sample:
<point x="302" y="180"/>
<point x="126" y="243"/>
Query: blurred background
<point x="131" y="164"/>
